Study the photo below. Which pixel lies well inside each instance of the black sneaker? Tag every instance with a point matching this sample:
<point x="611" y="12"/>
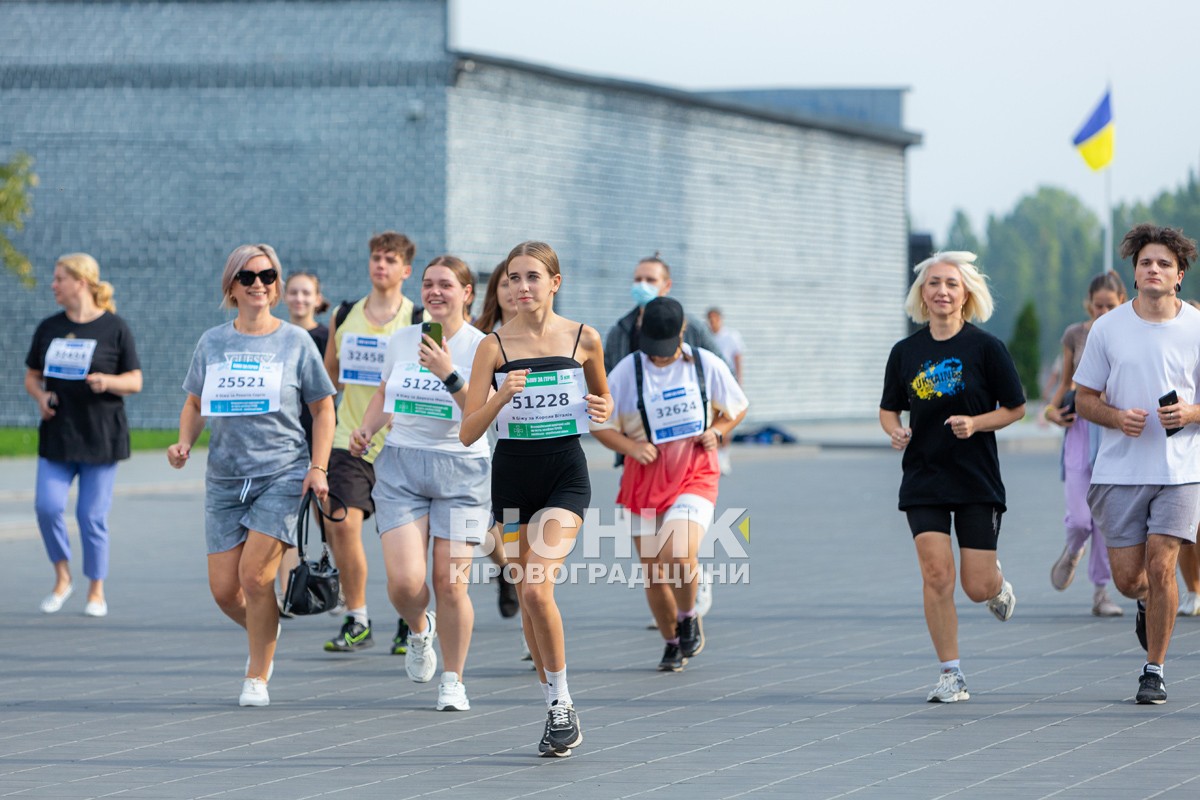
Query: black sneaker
<point x="691" y="636"/>
<point x="354" y="636"/>
<point x="672" y="660"/>
<point x="400" y="643"/>
<point x="1139" y="624"/>
<point x="509" y="604"/>
<point x="562" y="731"/>
<point x="1151" y="689"/>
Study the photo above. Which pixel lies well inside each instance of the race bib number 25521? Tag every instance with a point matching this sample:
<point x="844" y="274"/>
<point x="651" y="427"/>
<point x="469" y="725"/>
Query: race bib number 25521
<point x="241" y="387"/>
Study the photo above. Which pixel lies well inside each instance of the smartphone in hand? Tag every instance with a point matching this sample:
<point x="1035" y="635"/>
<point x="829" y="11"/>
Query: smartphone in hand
<point x="1169" y="399"/>
<point x="433" y="330"/>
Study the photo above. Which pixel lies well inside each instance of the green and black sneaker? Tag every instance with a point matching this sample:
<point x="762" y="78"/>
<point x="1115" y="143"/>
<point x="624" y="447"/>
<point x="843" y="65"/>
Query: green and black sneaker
<point x="354" y="636"/>
<point x="400" y="643"/>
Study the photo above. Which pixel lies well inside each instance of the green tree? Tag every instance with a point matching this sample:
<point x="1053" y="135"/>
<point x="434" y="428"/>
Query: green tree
<point x="1025" y="351"/>
<point x="17" y="179"/>
<point x="961" y="235"/>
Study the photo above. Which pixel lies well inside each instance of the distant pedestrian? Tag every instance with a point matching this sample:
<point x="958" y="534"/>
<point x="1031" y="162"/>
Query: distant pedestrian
<point x="247" y="381"/>
<point x="959" y="386"/>
<point x="732" y="347"/>
<point x="1138" y="380"/>
<point x="1080" y="444"/>
<point x="81" y="364"/>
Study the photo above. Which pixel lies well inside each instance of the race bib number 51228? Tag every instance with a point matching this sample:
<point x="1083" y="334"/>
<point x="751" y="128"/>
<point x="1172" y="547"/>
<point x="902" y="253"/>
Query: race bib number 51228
<point x="551" y="405"/>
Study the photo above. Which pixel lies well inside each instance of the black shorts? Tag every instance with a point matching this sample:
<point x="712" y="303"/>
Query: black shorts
<point x="530" y="483"/>
<point x="351" y="481"/>
<point x="976" y="524"/>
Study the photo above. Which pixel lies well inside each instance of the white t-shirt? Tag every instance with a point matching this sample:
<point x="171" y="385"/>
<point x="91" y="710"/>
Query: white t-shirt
<point x="730" y="342"/>
<point x="724" y="394"/>
<point x="1135" y="362"/>
<point x="424" y="432"/>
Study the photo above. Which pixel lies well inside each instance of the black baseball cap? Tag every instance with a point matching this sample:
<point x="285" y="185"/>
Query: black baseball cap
<point x="662" y="327"/>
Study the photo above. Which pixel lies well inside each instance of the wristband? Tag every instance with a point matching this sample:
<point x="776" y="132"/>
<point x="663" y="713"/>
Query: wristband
<point x="454" y="382"/>
<point x="318" y="466"/>
<point x="720" y="436"/>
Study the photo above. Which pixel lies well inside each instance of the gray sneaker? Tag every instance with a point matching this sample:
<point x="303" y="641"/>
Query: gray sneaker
<point x="1002" y="604"/>
<point x="951" y="687"/>
<point x="1063" y="571"/>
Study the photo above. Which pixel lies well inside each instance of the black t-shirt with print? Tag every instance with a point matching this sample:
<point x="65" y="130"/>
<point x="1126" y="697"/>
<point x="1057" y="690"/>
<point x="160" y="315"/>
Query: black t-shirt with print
<point x="970" y="373"/>
<point x="86" y="427"/>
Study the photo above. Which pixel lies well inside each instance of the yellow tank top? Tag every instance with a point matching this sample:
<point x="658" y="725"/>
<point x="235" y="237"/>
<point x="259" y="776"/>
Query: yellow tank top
<point x="355" y="397"/>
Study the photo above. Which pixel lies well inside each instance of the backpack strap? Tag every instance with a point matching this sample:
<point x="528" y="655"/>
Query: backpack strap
<point x="703" y="389"/>
<point x="343" y="311"/>
<point x="641" y="402"/>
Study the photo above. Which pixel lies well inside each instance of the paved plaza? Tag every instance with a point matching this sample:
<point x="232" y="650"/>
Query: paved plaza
<point x="812" y="684"/>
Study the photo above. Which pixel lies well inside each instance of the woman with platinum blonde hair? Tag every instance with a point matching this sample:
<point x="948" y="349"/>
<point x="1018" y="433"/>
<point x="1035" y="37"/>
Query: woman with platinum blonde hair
<point x="959" y="386"/>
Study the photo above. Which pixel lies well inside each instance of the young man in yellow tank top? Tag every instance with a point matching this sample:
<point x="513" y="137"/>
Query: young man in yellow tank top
<point x="354" y="357"/>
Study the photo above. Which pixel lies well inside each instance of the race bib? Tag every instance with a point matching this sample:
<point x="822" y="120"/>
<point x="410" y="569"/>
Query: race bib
<point x="241" y="387"/>
<point x="412" y="389"/>
<point x="552" y="405"/>
<point x="361" y="359"/>
<point x="675" y="413"/>
<point x="69" y="359"/>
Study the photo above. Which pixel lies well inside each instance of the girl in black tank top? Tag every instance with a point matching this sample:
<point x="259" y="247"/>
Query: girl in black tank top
<point x="542" y="499"/>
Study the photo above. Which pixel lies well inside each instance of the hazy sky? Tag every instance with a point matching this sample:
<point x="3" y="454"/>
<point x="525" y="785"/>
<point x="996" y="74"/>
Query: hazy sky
<point x="998" y="90"/>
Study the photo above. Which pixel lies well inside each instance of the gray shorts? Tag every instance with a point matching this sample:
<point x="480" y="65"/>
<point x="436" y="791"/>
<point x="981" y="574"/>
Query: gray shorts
<point x="1126" y="515"/>
<point x="453" y="491"/>
<point x="269" y="505"/>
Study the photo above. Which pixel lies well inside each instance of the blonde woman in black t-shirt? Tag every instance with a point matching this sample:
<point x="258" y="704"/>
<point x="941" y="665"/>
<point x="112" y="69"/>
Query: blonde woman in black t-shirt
<point x="80" y="365"/>
<point x="959" y="385"/>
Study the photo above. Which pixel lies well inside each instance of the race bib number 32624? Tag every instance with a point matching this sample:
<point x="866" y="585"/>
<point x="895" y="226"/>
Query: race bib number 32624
<point x="552" y="405"/>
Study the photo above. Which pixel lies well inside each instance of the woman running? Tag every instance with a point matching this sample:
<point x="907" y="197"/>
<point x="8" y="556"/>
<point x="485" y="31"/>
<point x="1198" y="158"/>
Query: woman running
<point x="673" y="406"/>
<point x="80" y="366"/>
<point x="248" y="379"/>
<point x="959" y="385"/>
<point x="427" y="484"/>
<point x="1105" y="293"/>
<point x="540" y="483"/>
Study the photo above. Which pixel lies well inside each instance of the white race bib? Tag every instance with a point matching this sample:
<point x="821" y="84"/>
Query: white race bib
<point x="675" y="413"/>
<point x="361" y="359"/>
<point x="241" y="387"/>
<point x="69" y="359"/>
<point x="412" y="389"/>
<point x="552" y="405"/>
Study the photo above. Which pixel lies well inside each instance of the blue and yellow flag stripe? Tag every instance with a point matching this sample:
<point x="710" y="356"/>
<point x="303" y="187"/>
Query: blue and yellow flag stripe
<point x="1095" y="139"/>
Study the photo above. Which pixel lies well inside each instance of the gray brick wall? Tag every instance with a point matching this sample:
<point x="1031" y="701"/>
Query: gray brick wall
<point x="161" y="164"/>
<point x="798" y="233"/>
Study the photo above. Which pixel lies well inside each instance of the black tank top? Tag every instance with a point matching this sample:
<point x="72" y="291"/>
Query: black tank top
<point x="537" y="447"/>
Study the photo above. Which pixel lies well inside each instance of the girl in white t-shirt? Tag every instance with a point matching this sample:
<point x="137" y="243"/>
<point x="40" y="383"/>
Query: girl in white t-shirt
<point x="670" y="442"/>
<point x="427" y="483"/>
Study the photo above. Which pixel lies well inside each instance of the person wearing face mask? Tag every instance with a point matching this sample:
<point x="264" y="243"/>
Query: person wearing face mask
<point x="673" y="405"/>
<point x="651" y="279"/>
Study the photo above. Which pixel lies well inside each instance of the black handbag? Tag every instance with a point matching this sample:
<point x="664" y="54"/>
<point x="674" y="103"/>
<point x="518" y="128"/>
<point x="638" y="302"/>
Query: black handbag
<point x="312" y="586"/>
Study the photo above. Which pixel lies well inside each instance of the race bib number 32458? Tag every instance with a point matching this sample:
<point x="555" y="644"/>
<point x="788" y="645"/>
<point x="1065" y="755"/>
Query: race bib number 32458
<point x="361" y="359"/>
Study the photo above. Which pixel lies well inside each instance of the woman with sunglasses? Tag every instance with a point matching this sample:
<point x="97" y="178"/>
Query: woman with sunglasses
<point x="81" y="364"/>
<point x="248" y="380"/>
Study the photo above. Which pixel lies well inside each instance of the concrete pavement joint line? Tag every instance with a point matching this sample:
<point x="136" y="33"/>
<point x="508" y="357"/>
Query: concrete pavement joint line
<point x="1170" y="788"/>
<point x="130" y="490"/>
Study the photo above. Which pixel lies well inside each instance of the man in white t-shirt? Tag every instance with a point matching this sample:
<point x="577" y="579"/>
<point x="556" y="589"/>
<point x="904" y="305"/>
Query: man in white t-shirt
<point x="1144" y="357"/>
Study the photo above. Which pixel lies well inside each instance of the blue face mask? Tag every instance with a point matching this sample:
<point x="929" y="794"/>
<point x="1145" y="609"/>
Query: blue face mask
<point x="643" y="293"/>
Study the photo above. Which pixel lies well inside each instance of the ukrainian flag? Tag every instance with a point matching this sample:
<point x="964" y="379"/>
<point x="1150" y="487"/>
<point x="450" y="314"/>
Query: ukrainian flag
<point x="1095" y="139"/>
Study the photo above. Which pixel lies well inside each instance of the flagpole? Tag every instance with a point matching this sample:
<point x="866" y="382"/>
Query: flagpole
<point x="1108" y="220"/>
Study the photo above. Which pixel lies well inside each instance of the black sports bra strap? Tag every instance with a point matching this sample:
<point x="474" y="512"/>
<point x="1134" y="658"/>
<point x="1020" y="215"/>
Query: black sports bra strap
<point x="577" y="337"/>
<point x="501" y="346"/>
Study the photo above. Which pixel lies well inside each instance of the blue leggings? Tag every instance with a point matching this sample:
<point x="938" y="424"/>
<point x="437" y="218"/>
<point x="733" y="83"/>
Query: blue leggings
<point x="91" y="510"/>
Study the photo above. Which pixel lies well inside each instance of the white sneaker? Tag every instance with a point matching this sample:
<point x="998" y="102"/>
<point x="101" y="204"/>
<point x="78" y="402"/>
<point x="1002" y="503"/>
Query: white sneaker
<point x="1002" y="604"/>
<point x="96" y="609"/>
<point x="951" y="687"/>
<point x="420" y="662"/>
<point x="254" y="693"/>
<point x="703" y="593"/>
<point x="452" y="695"/>
<point x="1189" y="604"/>
<point x="724" y="463"/>
<point x="54" y="602"/>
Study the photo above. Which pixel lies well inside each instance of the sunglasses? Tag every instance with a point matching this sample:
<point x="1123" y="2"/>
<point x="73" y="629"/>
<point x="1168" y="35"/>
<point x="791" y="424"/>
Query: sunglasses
<point x="246" y="277"/>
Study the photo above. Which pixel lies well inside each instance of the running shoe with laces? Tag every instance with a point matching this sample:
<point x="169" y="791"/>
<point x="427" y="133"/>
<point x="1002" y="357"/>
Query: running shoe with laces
<point x="1139" y="625"/>
<point x="1063" y="571"/>
<point x="1189" y="604"/>
<point x="951" y="687"/>
<point x="354" y="636"/>
<point x="452" y="695"/>
<point x="400" y="643"/>
<point x="1103" y="606"/>
<point x="562" y="731"/>
<point x="1003" y="603"/>
<point x="691" y="636"/>
<point x="672" y="659"/>
<point x="1151" y="689"/>
<point x="509" y="603"/>
<point x="254" y="693"/>
<point x="420" y="662"/>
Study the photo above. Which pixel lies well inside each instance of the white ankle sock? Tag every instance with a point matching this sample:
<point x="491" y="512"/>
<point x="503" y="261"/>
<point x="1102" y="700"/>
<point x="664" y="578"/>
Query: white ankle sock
<point x="360" y="615"/>
<point x="449" y="677"/>
<point x="557" y="684"/>
<point x="951" y="666"/>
